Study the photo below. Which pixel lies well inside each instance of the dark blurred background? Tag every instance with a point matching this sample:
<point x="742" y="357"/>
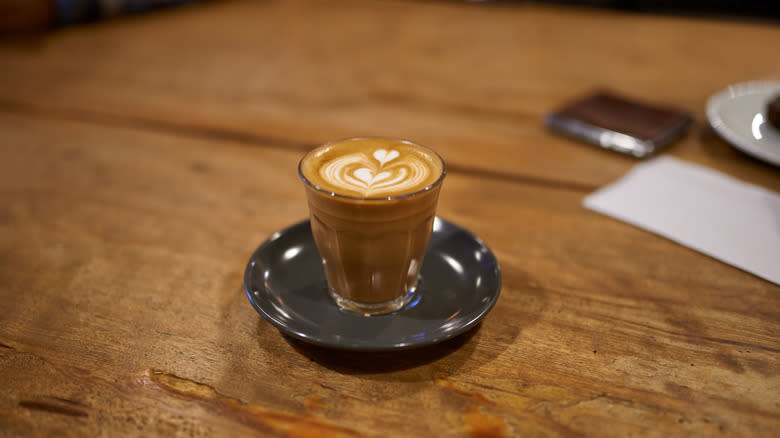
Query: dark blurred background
<point x="745" y="8"/>
<point x="23" y="16"/>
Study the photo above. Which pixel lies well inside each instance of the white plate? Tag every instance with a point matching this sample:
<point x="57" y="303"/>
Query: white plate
<point x="738" y="114"/>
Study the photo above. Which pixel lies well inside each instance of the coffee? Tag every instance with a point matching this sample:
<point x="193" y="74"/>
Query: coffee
<point x="372" y="202"/>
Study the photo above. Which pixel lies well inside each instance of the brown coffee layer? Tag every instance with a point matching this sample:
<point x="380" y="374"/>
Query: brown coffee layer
<point x="372" y="250"/>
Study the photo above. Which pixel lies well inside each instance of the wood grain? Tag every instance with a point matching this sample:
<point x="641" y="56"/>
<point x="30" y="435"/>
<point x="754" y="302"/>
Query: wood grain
<point x="143" y="159"/>
<point x="471" y="81"/>
<point x="122" y="310"/>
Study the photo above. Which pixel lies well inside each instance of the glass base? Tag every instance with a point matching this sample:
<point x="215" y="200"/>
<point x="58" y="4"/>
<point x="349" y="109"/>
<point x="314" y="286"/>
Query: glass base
<point x="369" y="309"/>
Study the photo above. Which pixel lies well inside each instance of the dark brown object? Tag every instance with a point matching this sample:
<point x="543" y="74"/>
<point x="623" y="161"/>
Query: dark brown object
<point x="142" y="160"/>
<point x="23" y="16"/>
<point x="642" y="128"/>
<point x="773" y="112"/>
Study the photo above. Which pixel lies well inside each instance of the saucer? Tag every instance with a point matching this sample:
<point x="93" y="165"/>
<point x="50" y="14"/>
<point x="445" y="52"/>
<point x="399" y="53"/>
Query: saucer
<point x="460" y="283"/>
<point x="738" y="114"/>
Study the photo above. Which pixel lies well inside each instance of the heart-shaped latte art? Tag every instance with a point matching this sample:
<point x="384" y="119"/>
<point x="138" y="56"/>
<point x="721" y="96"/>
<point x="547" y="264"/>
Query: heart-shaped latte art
<point x="383" y="156"/>
<point x="367" y="176"/>
<point x="382" y="171"/>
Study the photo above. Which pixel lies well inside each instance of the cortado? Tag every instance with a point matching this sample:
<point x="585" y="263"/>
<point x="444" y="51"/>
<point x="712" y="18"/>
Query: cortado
<point x="372" y="203"/>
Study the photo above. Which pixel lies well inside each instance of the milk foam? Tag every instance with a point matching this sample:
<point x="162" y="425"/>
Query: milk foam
<point x="372" y="168"/>
<point x="378" y="172"/>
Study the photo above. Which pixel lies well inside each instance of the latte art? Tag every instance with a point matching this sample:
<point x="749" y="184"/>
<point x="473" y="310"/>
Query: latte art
<point x="381" y="172"/>
<point x="372" y="168"/>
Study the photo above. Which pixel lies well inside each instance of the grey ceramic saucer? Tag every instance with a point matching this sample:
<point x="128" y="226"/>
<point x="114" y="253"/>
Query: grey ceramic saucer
<point x="461" y="281"/>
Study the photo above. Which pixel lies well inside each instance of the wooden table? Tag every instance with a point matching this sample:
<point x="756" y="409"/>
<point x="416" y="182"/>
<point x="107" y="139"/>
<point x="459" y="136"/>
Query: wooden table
<point x="143" y="159"/>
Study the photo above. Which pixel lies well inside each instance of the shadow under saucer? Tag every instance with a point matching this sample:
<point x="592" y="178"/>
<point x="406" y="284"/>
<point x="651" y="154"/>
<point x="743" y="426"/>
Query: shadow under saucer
<point x="375" y="362"/>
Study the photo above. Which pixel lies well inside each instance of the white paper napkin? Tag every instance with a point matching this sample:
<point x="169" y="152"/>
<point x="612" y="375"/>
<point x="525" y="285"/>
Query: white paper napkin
<point x="713" y="213"/>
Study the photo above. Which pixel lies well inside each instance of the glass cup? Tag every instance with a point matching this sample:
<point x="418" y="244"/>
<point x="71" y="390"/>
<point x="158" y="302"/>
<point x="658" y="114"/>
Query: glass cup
<point x="372" y="247"/>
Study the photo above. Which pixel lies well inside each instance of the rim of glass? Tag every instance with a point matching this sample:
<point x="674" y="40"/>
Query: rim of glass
<point x="381" y="198"/>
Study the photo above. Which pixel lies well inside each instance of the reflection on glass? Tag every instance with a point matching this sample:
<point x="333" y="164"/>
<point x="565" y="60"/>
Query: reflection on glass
<point x="451" y="323"/>
<point x="758" y="120"/>
<point x="418" y="336"/>
<point x="415" y="301"/>
<point x="280" y="310"/>
<point x="290" y="253"/>
<point x="437" y="224"/>
<point x="453" y="263"/>
<point x="266" y="276"/>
